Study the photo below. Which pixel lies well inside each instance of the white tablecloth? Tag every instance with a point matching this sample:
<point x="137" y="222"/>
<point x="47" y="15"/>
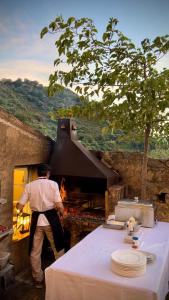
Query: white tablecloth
<point x="84" y="272"/>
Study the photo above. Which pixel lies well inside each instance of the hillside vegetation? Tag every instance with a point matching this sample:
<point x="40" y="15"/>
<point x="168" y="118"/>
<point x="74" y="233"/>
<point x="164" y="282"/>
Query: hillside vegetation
<point x="29" y="102"/>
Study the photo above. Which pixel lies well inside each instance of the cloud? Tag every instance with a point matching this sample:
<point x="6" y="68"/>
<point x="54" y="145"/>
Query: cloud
<point x="30" y="69"/>
<point x="44" y="48"/>
<point x="21" y="40"/>
<point x="23" y="53"/>
<point x="3" y="26"/>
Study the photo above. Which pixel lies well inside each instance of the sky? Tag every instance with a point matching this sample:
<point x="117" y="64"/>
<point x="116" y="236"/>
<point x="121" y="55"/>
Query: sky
<point x="24" y="55"/>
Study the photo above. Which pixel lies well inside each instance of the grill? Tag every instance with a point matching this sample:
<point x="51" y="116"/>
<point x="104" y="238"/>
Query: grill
<point x="79" y="173"/>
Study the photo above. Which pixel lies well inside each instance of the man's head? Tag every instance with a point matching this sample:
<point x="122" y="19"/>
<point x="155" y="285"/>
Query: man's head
<point x="44" y="170"/>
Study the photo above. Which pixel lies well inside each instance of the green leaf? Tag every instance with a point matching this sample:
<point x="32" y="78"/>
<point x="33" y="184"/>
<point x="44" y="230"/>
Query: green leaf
<point x="70" y="20"/>
<point x="52" y="25"/>
<point x="56" y="61"/>
<point x="43" y="32"/>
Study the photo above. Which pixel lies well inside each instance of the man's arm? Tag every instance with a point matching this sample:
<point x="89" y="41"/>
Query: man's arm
<point x="60" y="208"/>
<point x="22" y="201"/>
<point x="58" y="200"/>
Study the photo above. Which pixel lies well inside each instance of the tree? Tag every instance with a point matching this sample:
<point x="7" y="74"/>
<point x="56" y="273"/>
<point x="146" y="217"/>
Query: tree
<point x="133" y="95"/>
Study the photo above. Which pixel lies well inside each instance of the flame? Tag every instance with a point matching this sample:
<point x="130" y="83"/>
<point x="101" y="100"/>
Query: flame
<point x="63" y="192"/>
<point x="21" y="226"/>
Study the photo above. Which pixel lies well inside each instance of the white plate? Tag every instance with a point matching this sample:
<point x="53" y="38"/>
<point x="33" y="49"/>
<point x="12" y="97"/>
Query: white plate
<point x="129" y="257"/>
<point x="128" y="263"/>
<point x="128" y="272"/>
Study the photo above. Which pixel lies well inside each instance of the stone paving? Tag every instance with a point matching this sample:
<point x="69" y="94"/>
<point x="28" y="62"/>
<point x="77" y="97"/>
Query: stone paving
<point x="23" y="289"/>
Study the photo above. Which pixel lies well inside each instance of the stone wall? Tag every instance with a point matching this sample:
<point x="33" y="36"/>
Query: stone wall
<point x="19" y="146"/>
<point x="129" y="167"/>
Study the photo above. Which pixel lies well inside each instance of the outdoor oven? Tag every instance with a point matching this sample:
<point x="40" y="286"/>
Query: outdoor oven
<point x="83" y="179"/>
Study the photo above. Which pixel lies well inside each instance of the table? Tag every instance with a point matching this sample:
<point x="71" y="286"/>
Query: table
<point x="84" y="272"/>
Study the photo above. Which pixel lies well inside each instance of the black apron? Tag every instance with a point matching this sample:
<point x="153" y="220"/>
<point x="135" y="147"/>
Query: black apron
<point x="54" y="221"/>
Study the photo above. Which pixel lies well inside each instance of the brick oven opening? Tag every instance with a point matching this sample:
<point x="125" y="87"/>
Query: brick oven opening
<point x="21" y="220"/>
<point x="162" y="197"/>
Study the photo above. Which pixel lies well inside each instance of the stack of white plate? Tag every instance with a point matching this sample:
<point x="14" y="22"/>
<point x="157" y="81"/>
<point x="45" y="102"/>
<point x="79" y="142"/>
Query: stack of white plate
<point x="128" y="263"/>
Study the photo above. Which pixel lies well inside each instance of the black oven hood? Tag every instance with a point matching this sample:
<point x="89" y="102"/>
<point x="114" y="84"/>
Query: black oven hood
<point x="71" y="158"/>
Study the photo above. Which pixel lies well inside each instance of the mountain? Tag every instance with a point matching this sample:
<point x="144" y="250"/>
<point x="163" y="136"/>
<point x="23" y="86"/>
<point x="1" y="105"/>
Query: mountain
<point x="28" y="101"/>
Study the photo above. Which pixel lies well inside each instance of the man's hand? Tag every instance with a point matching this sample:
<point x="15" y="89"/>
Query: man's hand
<point x="19" y="207"/>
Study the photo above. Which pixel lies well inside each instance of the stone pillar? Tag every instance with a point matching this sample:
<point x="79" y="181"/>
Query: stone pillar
<point x="115" y="193"/>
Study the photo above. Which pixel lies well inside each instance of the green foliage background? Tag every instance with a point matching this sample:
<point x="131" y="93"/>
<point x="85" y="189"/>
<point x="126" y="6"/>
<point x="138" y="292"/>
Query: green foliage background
<point x="29" y="102"/>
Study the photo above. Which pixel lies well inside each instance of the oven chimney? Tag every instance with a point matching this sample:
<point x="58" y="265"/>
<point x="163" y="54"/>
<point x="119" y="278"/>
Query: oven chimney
<point x="66" y="129"/>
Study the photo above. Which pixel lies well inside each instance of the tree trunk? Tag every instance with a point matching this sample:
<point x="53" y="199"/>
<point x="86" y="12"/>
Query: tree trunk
<point x="145" y="162"/>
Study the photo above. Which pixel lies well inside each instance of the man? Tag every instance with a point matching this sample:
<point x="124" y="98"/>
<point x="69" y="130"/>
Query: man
<point x="45" y="201"/>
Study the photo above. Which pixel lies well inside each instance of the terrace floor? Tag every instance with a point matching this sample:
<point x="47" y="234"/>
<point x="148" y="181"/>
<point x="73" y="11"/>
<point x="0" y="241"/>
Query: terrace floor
<point x="23" y="287"/>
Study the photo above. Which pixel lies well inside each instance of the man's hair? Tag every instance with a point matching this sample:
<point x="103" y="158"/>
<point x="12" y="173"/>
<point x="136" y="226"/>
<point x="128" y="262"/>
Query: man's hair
<point x="43" y="169"/>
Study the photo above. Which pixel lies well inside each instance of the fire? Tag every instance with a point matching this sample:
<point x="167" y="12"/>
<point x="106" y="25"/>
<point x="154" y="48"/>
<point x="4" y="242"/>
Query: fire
<point x="21" y="225"/>
<point x="63" y="192"/>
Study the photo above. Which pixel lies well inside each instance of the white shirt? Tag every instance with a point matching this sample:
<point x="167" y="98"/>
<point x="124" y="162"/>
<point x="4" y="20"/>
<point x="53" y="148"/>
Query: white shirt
<point x="43" y="194"/>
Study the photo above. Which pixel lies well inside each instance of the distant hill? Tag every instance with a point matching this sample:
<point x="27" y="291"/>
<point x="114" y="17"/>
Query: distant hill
<point x="28" y="101"/>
